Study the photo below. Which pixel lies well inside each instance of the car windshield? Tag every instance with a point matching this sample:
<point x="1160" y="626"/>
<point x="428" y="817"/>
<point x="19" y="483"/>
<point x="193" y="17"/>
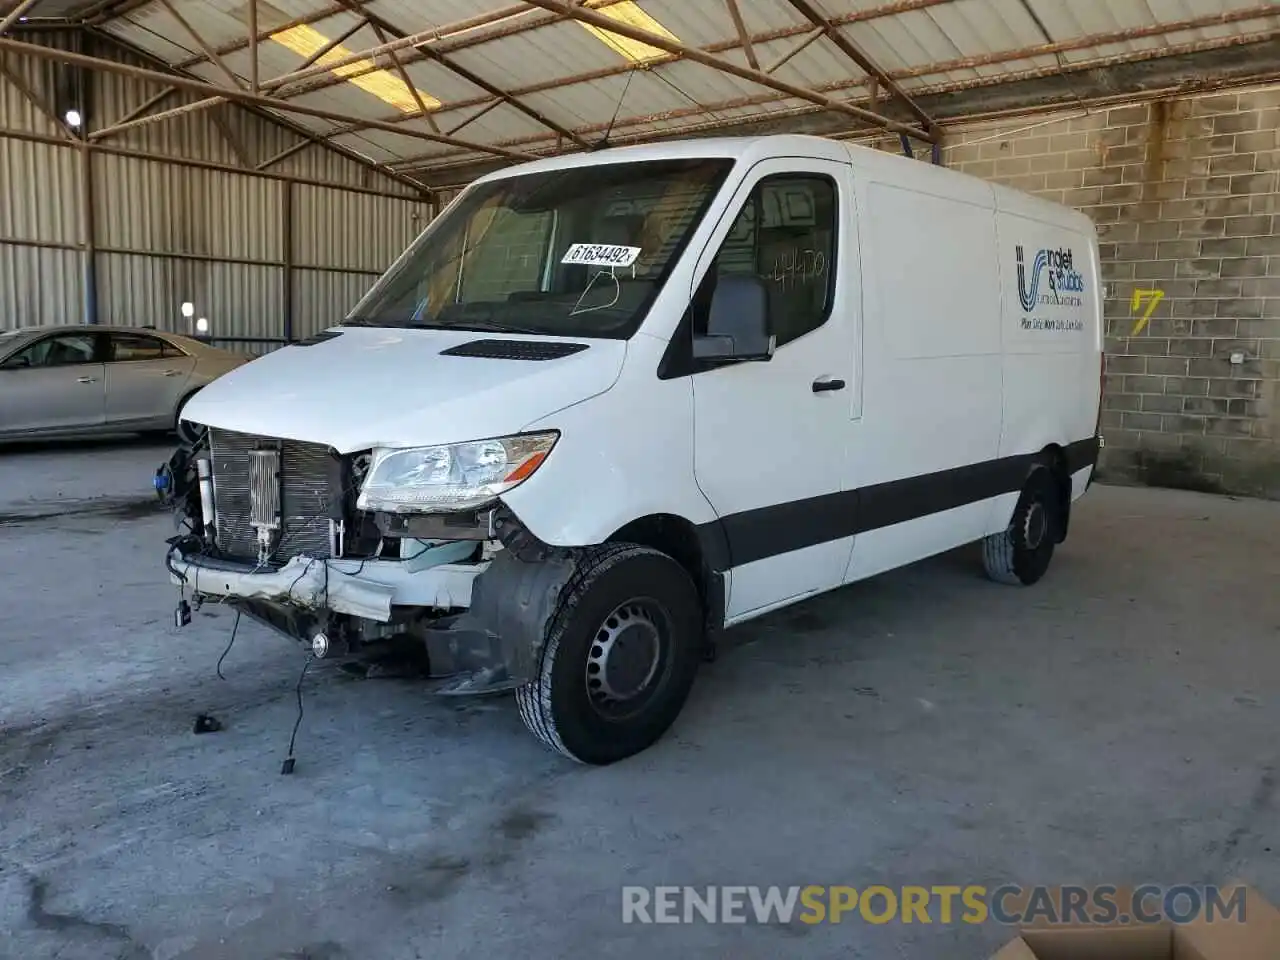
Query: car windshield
<point x="576" y="252"/>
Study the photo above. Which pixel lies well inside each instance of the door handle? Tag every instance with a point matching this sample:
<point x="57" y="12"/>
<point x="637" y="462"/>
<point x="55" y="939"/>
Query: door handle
<point x="825" y="386"/>
<point x="86" y="380"/>
<point x="172" y="373"/>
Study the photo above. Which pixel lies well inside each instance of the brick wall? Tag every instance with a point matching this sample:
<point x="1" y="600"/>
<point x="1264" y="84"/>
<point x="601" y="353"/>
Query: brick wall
<point x="1184" y="193"/>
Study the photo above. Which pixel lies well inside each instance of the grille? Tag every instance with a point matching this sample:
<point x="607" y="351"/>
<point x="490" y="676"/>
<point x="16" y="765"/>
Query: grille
<point x="308" y="489"/>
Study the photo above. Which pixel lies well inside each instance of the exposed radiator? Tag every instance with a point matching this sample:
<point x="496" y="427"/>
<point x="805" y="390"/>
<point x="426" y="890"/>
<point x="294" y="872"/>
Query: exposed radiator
<point x="305" y="496"/>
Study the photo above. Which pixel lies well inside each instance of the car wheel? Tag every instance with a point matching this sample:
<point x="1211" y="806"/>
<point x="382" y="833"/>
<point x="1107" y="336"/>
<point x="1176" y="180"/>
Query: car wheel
<point x="619" y="656"/>
<point x="1020" y="554"/>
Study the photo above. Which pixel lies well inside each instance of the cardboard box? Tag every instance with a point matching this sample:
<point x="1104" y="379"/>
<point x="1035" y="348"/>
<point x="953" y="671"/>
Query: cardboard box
<point x="1258" y="938"/>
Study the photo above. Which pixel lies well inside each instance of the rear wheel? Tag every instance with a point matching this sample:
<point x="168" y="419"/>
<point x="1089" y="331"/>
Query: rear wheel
<point x="619" y="655"/>
<point x="1020" y="554"/>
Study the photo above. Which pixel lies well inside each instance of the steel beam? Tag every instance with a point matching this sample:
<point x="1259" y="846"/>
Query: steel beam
<point x="695" y="55"/>
<point x="796" y="30"/>
<point x="504" y="97"/>
<point x="423" y="112"/>
<point x="744" y="37"/>
<point x="963" y="63"/>
<point x="284" y="154"/>
<point x="269" y="117"/>
<point x="341" y="38"/>
<point x="237" y="146"/>
<point x="240" y="96"/>
<point x="178" y="161"/>
<point x="401" y="43"/>
<point x="851" y="50"/>
<point x="185" y="108"/>
<point x="16" y="14"/>
<point x="147" y="104"/>
<point x="33" y="98"/>
<point x="253" y="45"/>
<point x="798" y="48"/>
<point x="493" y="105"/>
<point x="202" y="44"/>
<point x="448" y="43"/>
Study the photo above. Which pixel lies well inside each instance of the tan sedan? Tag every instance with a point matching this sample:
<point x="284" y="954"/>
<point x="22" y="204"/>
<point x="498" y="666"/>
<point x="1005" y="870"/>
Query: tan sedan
<point x="62" y="381"/>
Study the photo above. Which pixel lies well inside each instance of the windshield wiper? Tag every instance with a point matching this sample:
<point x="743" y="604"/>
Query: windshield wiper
<point x="488" y="326"/>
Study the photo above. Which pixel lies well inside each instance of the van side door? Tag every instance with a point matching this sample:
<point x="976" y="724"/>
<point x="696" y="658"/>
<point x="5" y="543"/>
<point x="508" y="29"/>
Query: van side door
<point x="770" y="436"/>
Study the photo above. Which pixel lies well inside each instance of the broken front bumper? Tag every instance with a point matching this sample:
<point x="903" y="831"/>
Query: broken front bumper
<point x="494" y="619"/>
<point x="360" y="588"/>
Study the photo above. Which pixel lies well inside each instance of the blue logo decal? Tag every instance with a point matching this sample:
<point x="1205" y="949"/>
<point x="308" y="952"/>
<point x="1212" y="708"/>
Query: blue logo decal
<point x="1064" y="279"/>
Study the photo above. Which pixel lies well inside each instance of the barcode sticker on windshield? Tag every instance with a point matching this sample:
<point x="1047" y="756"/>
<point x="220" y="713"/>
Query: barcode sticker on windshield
<point x="601" y="255"/>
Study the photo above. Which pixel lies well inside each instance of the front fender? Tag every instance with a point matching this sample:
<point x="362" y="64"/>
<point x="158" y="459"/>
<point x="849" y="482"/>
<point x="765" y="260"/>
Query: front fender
<point x="622" y="455"/>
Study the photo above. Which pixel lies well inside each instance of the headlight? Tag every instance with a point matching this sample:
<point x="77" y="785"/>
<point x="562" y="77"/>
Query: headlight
<point x="455" y="476"/>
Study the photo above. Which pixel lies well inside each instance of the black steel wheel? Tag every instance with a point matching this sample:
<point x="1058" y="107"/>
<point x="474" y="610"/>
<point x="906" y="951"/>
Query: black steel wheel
<point x="619" y="656"/>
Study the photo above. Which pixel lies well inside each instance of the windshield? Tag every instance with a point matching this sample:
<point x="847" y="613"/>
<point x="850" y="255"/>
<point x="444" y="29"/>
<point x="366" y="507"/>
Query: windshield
<point x="577" y="252"/>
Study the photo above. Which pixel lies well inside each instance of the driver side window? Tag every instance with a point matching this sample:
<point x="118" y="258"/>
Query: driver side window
<point x="57" y="351"/>
<point x="785" y="234"/>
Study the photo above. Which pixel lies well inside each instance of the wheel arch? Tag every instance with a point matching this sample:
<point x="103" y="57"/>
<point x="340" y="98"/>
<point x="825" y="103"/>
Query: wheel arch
<point x="687" y="544"/>
<point x="1054" y="458"/>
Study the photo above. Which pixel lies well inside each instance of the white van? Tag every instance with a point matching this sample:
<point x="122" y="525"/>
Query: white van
<point x="609" y="404"/>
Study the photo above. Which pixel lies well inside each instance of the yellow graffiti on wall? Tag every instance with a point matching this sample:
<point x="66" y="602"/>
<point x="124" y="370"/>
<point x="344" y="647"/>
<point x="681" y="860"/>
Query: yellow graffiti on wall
<point x="1151" y="298"/>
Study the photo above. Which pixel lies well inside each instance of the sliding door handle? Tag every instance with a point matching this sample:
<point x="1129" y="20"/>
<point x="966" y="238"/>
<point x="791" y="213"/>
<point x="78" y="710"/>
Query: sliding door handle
<point x="824" y="385"/>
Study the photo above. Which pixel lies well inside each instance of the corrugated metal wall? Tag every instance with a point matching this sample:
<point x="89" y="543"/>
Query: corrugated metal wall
<point x="245" y="249"/>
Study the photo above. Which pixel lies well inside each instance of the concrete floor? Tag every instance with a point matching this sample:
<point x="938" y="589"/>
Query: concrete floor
<point x="1117" y="723"/>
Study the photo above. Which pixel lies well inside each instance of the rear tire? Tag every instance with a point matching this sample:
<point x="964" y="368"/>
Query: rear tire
<point x="619" y="655"/>
<point x="1020" y="554"/>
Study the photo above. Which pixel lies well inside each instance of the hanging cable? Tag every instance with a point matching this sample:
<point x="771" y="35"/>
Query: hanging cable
<point x="604" y="141"/>
<point x="290" y="761"/>
<point x="234" y="627"/>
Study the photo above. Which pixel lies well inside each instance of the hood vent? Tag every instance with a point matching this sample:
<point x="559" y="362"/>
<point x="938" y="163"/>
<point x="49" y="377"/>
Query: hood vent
<point x="514" y="349"/>
<point x="312" y="340"/>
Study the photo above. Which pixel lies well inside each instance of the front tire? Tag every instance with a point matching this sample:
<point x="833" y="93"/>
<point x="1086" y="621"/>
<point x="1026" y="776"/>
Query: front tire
<point x="619" y="655"/>
<point x="1020" y="554"/>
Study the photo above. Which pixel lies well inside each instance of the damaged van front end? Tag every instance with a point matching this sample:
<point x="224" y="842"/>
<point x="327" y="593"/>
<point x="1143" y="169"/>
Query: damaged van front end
<point x="313" y="545"/>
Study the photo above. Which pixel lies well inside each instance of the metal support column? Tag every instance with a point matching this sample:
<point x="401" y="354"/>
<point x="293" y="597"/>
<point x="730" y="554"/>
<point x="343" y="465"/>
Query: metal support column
<point x="286" y="216"/>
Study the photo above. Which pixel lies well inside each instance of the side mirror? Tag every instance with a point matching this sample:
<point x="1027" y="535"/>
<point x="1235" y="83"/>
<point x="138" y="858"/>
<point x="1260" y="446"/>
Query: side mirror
<point x="16" y="363"/>
<point x="738" y="326"/>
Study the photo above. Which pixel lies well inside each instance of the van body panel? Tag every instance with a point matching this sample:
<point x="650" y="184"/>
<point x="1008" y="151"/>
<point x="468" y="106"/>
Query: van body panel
<point x="932" y="384"/>
<point x="1050" y="325"/>
<point x="624" y="455"/>
<point x="763" y="438"/>
<point x="392" y="387"/>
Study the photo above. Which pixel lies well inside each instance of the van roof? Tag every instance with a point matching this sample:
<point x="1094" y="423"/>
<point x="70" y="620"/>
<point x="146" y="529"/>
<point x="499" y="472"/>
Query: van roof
<point x="734" y="148"/>
<point x="878" y="162"/>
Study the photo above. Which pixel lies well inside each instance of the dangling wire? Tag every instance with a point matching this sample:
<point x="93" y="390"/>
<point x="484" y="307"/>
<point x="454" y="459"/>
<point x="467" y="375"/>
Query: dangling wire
<point x="289" y="761"/>
<point x="234" y="627"/>
<point x="604" y="141"/>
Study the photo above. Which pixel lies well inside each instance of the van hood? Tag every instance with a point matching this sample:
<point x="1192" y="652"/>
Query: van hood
<point x="356" y="388"/>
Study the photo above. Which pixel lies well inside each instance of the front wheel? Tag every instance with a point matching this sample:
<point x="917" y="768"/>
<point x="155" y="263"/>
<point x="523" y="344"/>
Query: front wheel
<point x="619" y="655"/>
<point x="1020" y="554"/>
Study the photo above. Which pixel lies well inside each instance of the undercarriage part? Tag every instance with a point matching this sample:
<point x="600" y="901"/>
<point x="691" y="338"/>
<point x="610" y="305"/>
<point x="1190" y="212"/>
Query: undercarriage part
<point x="517" y="539"/>
<point x="512" y="602"/>
<point x="461" y="659"/>
<point x="178" y="487"/>
<point x="205" y="488"/>
<point x="475" y="525"/>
